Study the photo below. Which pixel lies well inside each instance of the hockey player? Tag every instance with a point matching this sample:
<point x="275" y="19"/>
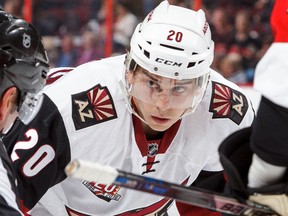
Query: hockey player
<point x="266" y="181"/>
<point x="23" y="68"/>
<point x="159" y="111"/>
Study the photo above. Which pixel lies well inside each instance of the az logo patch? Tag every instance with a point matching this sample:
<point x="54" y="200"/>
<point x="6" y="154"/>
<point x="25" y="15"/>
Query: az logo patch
<point x="228" y="103"/>
<point x="92" y="107"/>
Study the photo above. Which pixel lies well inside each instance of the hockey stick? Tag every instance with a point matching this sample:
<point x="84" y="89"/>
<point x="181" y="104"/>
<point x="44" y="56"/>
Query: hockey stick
<point x="194" y="196"/>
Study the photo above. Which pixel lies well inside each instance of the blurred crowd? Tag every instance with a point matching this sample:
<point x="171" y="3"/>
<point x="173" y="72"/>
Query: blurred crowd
<point x="75" y="33"/>
<point x="242" y="34"/>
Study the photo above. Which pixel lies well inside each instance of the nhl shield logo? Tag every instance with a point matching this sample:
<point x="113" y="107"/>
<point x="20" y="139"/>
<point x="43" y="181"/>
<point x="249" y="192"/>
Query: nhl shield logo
<point x="152" y="149"/>
<point x="26" y="40"/>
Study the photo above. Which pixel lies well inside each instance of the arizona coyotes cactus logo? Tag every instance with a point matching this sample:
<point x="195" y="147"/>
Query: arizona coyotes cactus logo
<point x="92" y="107"/>
<point x="228" y="103"/>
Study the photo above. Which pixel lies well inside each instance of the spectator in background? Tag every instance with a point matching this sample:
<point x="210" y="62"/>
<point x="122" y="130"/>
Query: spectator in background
<point x="50" y="45"/>
<point x="222" y="27"/>
<point x="231" y="68"/>
<point x="13" y="7"/>
<point x="245" y="41"/>
<point x="148" y="5"/>
<point x="67" y="54"/>
<point x="261" y="23"/>
<point x="89" y="50"/>
<point x="261" y="11"/>
<point x="125" y="23"/>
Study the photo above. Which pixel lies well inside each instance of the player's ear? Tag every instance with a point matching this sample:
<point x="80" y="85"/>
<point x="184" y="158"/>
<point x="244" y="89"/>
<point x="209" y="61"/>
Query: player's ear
<point x="129" y="77"/>
<point x="8" y="103"/>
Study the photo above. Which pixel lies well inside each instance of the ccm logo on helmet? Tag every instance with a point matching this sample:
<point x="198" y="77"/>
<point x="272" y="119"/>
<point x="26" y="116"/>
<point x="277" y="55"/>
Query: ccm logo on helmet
<point x="168" y="62"/>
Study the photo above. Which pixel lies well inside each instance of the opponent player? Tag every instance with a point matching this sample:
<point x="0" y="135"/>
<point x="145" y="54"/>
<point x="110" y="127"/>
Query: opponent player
<point x="23" y="68"/>
<point x="267" y="176"/>
<point x="159" y="111"/>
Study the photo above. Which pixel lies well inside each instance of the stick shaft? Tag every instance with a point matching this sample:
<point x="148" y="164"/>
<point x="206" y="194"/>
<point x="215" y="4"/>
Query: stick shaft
<point x="192" y="195"/>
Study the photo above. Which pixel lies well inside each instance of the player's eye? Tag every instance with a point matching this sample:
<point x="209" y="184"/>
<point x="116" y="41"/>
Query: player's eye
<point x="179" y="89"/>
<point x="152" y="84"/>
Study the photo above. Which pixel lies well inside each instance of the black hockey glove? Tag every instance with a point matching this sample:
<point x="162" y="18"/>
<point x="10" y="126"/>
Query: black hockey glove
<point x="236" y="158"/>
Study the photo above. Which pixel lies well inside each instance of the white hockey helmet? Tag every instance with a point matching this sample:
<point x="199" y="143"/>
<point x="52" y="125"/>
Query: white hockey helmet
<point x="173" y="42"/>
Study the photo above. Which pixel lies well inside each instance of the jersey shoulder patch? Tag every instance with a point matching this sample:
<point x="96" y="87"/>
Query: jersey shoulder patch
<point x="56" y="73"/>
<point x="92" y="107"/>
<point x="227" y="102"/>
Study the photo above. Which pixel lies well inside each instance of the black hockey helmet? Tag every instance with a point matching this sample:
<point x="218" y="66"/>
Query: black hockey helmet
<point x="23" y="59"/>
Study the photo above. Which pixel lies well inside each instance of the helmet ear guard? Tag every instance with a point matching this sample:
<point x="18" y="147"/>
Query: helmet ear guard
<point x="130" y="63"/>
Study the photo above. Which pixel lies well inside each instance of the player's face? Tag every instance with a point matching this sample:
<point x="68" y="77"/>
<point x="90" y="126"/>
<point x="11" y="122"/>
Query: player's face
<point x="158" y="117"/>
<point x="160" y="101"/>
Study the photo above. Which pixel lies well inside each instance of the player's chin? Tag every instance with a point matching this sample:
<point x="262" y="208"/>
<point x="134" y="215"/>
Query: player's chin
<point x="159" y="124"/>
<point x="159" y="128"/>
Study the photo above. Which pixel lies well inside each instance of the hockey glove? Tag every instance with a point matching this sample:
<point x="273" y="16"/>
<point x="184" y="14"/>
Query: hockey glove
<point x="236" y="157"/>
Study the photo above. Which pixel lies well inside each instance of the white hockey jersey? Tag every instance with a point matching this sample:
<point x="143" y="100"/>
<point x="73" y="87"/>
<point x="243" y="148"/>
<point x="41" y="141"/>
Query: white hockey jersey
<point x="84" y="116"/>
